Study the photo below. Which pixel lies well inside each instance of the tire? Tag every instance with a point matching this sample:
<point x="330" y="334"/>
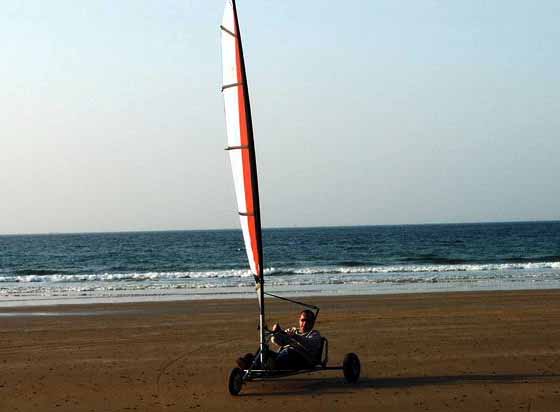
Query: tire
<point x="351" y="368"/>
<point x="235" y="381"/>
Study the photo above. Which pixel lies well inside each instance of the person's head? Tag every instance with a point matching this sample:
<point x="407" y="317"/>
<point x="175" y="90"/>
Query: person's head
<point x="306" y="320"/>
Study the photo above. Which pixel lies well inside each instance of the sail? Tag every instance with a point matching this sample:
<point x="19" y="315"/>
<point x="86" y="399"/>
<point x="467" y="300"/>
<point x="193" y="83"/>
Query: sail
<point x="240" y="138"/>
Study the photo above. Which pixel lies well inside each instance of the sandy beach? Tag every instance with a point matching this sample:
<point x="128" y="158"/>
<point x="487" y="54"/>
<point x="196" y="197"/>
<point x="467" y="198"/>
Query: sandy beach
<point x="488" y="351"/>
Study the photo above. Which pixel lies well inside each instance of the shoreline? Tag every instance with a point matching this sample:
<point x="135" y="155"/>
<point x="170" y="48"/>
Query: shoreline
<point x="94" y="306"/>
<point x="248" y="293"/>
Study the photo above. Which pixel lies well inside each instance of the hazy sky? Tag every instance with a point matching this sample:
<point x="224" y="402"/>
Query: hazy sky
<point x="365" y="112"/>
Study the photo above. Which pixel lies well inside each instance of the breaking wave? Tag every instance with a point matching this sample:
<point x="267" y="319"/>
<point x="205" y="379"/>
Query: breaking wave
<point x="314" y="273"/>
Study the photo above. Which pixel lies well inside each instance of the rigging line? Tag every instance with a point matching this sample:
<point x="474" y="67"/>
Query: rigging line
<point x="293" y="301"/>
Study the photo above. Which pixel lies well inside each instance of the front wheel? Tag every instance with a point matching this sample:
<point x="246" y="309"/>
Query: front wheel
<point x="351" y="368"/>
<point x="235" y="381"/>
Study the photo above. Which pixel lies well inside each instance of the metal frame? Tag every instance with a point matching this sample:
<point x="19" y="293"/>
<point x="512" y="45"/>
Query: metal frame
<point x="306" y="305"/>
<point x="265" y="374"/>
<point x="253" y="374"/>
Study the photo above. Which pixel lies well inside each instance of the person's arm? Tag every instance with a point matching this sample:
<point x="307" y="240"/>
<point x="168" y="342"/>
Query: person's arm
<point x="280" y="337"/>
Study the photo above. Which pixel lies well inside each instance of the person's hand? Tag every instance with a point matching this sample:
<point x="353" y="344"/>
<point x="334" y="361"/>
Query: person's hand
<point x="276" y="328"/>
<point x="291" y="332"/>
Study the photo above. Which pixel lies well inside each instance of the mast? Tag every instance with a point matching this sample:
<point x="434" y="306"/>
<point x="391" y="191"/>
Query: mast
<point x="242" y="150"/>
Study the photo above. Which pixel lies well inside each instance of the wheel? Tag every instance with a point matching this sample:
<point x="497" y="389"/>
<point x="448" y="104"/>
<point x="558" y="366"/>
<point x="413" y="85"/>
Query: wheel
<point x="351" y="368"/>
<point x="235" y="381"/>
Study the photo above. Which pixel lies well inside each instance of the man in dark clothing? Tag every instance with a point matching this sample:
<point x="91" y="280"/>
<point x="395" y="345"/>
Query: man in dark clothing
<point x="299" y="347"/>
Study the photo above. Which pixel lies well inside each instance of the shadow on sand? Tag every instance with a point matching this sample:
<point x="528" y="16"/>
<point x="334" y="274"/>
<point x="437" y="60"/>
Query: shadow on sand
<point x="337" y="385"/>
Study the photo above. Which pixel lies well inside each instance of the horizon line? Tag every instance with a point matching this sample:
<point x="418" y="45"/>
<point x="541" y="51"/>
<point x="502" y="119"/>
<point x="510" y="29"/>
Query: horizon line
<point x="281" y="227"/>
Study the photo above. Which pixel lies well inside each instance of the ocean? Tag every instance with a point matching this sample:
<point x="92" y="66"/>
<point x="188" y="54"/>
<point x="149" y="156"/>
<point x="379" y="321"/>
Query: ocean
<point x="172" y="265"/>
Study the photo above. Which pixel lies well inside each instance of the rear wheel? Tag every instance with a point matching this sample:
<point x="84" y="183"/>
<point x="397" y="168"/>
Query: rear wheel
<point x="351" y="368"/>
<point x="235" y="381"/>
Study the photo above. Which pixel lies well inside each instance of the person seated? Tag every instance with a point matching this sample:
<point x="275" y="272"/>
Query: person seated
<point x="300" y="348"/>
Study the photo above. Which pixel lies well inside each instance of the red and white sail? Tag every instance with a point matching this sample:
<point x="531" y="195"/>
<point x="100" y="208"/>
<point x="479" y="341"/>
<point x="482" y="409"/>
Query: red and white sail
<point x="240" y="138"/>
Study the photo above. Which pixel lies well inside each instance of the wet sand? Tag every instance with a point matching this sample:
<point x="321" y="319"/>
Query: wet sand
<point x="489" y="351"/>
